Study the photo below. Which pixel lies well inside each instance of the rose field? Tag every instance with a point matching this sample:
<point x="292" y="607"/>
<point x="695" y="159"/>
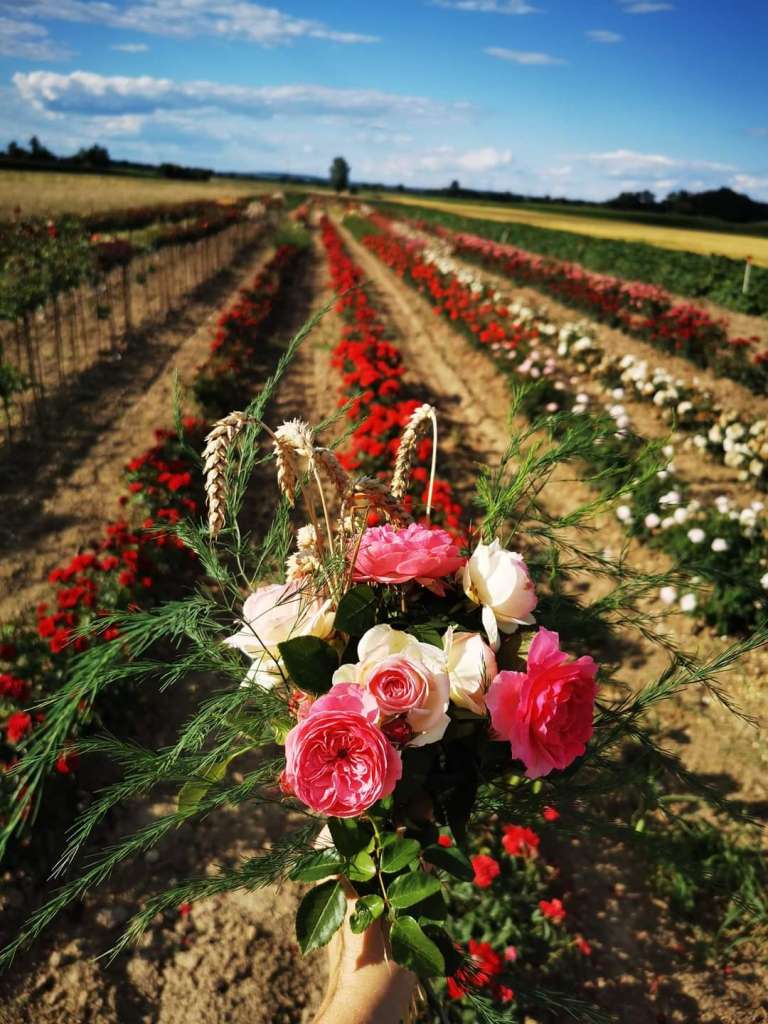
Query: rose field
<point x="370" y="575"/>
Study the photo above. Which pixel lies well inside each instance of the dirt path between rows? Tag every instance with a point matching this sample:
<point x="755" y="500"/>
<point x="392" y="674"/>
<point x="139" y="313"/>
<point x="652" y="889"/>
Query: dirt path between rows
<point x="639" y="970"/>
<point x="232" y="958"/>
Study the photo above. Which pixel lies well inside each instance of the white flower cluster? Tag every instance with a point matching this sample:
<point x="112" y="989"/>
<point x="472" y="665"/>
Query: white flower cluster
<point x="740" y="445"/>
<point x="575" y="341"/>
<point x="685" y="403"/>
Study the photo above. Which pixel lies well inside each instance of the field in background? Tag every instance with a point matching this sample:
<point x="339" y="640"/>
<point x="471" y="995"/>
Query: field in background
<point x="735" y="246"/>
<point x="51" y="193"/>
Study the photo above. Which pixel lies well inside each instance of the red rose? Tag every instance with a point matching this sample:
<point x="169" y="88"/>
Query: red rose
<point x="17" y="726"/>
<point x="486" y="869"/>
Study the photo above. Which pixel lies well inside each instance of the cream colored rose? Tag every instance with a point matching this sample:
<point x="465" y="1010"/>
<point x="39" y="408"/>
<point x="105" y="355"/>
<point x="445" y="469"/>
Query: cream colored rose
<point x="418" y="668"/>
<point x="271" y="615"/>
<point x="471" y="667"/>
<point x="498" y="580"/>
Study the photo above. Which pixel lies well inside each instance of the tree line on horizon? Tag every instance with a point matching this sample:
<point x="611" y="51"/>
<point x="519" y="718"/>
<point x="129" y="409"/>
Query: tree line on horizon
<point x="91" y="158"/>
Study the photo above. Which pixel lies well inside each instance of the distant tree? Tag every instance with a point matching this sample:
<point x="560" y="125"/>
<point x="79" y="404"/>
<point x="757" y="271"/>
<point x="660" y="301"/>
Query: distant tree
<point x="38" y="151"/>
<point x="454" y="187"/>
<point x="643" y="200"/>
<point x="93" y="156"/>
<point x="339" y="174"/>
<point x="16" y="152"/>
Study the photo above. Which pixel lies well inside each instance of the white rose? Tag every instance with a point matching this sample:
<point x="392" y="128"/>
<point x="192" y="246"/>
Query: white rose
<point x="271" y="615"/>
<point x="688" y="603"/>
<point x="696" y="535"/>
<point x="498" y="580"/>
<point x="471" y="668"/>
<point x="430" y="719"/>
<point x="668" y="595"/>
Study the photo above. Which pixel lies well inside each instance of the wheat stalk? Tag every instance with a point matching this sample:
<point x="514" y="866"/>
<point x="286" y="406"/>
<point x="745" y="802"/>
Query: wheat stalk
<point x="335" y="471"/>
<point x="366" y="492"/>
<point x="293" y="441"/>
<point x="218" y="443"/>
<point x="420" y="419"/>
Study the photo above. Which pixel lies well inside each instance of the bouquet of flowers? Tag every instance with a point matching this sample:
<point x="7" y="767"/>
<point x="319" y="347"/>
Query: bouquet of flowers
<point x="408" y="670"/>
<point x="395" y="685"/>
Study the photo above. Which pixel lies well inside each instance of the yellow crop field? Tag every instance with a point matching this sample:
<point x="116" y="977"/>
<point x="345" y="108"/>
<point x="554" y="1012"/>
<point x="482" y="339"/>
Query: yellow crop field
<point x="51" y="193"/>
<point x="736" y="246"/>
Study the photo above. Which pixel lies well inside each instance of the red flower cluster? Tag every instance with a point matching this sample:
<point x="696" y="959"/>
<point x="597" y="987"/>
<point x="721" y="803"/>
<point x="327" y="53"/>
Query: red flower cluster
<point x="646" y="310"/>
<point x="487" y="964"/>
<point x="486" y="869"/>
<point x="372" y="370"/>
<point x="230" y="366"/>
<point x="552" y="909"/>
<point x="519" y="841"/>
<point x="478" y="313"/>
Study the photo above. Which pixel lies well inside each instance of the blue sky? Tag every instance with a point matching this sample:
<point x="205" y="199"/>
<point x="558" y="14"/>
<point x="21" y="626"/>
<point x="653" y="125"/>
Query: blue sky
<point x="573" y="98"/>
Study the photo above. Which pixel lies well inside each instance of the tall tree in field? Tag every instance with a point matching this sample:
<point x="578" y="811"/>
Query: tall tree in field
<point x="340" y="174"/>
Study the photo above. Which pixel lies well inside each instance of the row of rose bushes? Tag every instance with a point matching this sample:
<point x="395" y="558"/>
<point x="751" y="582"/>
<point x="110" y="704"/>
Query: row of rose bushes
<point x="731" y="436"/>
<point x="42" y="259"/>
<point x="708" y="538"/>
<point x="645" y="310"/>
<point x="137" y="560"/>
<point x="697" y="275"/>
<point x="373" y="392"/>
<point x="506" y="917"/>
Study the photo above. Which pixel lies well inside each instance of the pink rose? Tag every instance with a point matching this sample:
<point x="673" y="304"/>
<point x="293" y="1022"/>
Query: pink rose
<point x="422" y="553"/>
<point x="546" y="712"/>
<point x="397" y="685"/>
<point x="409" y="678"/>
<point x="338" y="762"/>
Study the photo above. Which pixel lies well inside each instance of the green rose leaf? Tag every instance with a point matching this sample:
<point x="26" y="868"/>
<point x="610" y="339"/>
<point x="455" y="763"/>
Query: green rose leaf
<point x="413" y="948"/>
<point x="367" y="909"/>
<point x="405" y="890"/>
<point x="433" y="908"/>
<point x="317" y="865"/>
<point x="356" y="613"/>
<point x="349" y="836"/>
<point x="320" y="914"/>
<point x="450" y="859"/>
<point x="444" y="943"/>
<point x="361" y="867"/>
<point x="310" y="662"/>
<point x="397" y="852"/>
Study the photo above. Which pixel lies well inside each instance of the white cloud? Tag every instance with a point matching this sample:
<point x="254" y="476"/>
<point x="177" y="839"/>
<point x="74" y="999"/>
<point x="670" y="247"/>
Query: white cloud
<point x="622" y="162"/>
<point x="751" y="183"/>
<point x="184" y="19"/>
<point x="488" y="6"/>
<point x="604" y="35"/>
<point x="27" y="40"/>
<point x="633" y="7"/>
<point x="130" y="47"/>
<point x="528" y="57"/>
<point x="438" y="166"/>
<point x="84" y="92"/>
